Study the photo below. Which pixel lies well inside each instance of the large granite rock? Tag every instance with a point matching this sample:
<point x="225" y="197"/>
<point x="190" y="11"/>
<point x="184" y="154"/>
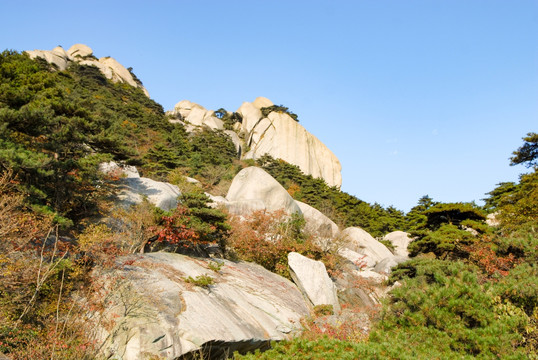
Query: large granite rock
<point x="312" y="278"/>
<point x="83" y="55"/>
<point x="151" y="311"/>
<point x="254" y="185"/>
<point x="358" y="240"/>
<point x="282" y="137"/>
<point x="80" y="50"/>
<point x="58" y="56"/>
<point x="161" y="194"/>
<point x="320" y="226"/>
<point x="400" y="240"/>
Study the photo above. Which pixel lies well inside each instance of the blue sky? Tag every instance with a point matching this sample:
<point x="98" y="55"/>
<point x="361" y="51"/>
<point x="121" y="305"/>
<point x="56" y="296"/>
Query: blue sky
<point x="414" y="97"/>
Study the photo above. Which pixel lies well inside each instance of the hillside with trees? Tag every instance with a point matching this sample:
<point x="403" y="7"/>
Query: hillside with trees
<point x="468" y="290"/>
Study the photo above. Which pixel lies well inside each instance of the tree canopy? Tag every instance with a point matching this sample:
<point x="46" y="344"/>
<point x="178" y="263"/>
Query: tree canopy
<point x="528" y="153"/>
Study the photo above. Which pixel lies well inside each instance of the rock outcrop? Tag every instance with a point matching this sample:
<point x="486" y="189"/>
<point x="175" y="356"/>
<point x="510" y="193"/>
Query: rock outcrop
<point x="400" y="240"/>
<point x="320" y="226"/>
<point x="359" y="241"/>
<point x="154" y="312"/>
<point x="284" y="138"/>
<point x="83" y="55"/>
<point x="132" y="188"/>
<point x="196" y="115"/>
<point x="254" y="189"/>
<point x="385" y="266"/>
<point x="312" y="278"/>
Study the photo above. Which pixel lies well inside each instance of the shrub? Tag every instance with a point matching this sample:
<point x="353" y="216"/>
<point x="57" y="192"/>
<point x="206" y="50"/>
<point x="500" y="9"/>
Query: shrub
<point x="280" y="109"/>
<point x="204" y="281"/>
<point x="443" y="310"/>
<point x="267" y="238"/>
<point x="191" y="227"/>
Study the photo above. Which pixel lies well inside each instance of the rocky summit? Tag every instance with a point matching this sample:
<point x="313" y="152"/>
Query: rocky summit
<point x="83" y="55"/>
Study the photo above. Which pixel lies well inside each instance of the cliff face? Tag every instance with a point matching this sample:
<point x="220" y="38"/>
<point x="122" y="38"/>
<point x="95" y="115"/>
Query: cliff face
<point x="284" y="138"/>
<point x="83" y="55"/>
<point x="277" y="135"/>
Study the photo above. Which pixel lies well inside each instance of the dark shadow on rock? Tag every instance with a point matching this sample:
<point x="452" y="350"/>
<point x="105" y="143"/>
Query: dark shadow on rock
<point x="219" y="349"/>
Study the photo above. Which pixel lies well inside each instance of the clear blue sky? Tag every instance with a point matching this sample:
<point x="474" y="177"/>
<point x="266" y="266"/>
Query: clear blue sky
<point x="414" y="97"/>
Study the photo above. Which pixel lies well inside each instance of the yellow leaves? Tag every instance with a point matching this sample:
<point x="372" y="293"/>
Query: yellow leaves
<point x="94" y="235"/>
<point x="127" y="123"/>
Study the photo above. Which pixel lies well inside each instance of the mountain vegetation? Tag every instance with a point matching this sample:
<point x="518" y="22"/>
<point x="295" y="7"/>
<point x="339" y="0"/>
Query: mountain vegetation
<point x="469" y="291"/>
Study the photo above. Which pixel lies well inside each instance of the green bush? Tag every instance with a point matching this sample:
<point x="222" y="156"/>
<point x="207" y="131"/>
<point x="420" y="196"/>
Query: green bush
<point x="204" y="281"/>
<point x="280" y="109"/>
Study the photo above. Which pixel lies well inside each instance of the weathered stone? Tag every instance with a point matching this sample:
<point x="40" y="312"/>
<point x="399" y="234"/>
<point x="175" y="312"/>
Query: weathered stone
<point x="320" y="226"/>
<point x="55" y="58"/>
<point x="372" y="275"/>
<point x="359" y="260"/>
<point x="400" y="240"/>
<point x="105" y="70"/>
<point x="262" y="102"/>
<point x="312" y="279"/>
<point x="316" y="222"/>
<point x="133" y="190"/>
<point x="236" y="140"/>
<point x="244" y="207"/>
<point x="282" y="137"/>
<point x="251" y="115"/>
<point x="253" y="184"/>
<point x="385" y="266"/>
<point x="80" y="50"/>
<point x="113" y="168"/>
<point x="196" y="115"/>
<point x="161" y="315"/>
<point x="83" y="55"/>
<point x="60" y="51"/>
<point x="360" y="241"/>
<point x="492" y="219"/>
<point x="119" y="72"/>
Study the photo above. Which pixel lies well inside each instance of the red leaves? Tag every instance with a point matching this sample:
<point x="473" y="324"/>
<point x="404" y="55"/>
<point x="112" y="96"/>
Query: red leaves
<point x="482" y="254"/>
<point x="176" y="229"/>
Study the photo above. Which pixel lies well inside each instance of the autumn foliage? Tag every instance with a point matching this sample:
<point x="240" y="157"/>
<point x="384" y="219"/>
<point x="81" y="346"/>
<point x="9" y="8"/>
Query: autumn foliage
<point x="267" y="238"/>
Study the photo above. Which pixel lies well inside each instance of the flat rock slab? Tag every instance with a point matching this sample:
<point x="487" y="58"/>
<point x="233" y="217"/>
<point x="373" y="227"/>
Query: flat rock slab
<point x="157" y="313"/>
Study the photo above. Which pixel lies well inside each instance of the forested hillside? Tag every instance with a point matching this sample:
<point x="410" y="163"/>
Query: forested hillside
<point x="469" y="290"/>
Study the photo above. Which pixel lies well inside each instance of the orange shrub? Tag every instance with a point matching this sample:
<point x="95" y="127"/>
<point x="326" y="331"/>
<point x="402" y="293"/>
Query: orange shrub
<point x="267" y="238"/>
